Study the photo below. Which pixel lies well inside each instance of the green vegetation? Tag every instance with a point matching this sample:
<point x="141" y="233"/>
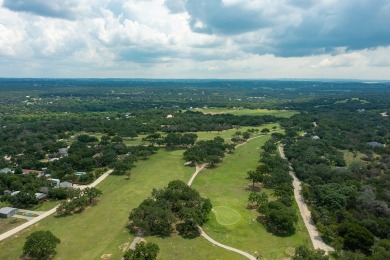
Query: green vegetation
<point x="10" y="223"/>
<point x="226" y="216"/>
<point x="336" y="136"/>
<point x="250" y="112"/>
<point x="40" y="245"/>
<point x="143" y="251"/>
<point x="176" y="205"/>
<point x="227" y="186"/>
<point x="108" y="219"/>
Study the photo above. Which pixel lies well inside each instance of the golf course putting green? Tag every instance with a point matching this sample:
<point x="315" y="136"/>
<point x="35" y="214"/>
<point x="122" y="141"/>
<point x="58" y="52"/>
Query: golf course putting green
<point x="226" y="216"/>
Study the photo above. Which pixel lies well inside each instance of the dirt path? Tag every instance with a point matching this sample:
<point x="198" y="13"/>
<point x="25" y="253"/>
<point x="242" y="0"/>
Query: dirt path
<point x="305" y="212"/>
<point x="47" y="213"/>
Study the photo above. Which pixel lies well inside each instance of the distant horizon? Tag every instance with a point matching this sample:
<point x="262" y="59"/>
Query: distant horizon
<point x="372" y="81"/>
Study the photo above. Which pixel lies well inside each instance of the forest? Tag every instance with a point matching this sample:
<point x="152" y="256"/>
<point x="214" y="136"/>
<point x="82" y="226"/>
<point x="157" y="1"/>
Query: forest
<point x="337" y="143"/>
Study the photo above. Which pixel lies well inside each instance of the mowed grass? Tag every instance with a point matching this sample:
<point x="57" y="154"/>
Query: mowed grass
<point x="247" y="112"/>
<point x="225" y="215"/>
<point x="101" y="230"/>
<point x="228" y="134"/>
<point x="226" y="186"/>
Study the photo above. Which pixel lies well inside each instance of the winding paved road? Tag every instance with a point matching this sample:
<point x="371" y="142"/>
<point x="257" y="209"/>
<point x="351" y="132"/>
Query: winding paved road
<point x="305" y="212"/>
<point x="48" y="213"/>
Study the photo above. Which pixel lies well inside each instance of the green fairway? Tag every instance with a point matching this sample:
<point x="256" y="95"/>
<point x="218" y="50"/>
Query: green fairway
<point x="226" y="216"/>
<point x="228" y="134"/>
<point x="226" y="185"/>
<point x="101" y="229"/>
<point x="248" y="112"/>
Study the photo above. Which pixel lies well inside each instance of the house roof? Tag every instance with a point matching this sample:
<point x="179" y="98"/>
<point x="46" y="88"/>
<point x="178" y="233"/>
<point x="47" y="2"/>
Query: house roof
<point x="5" y="170"/>
<point x="40" y="195"/>
<point x="375" y="144"/>
<point x="7" y="210"/>
<point x="65" y="184"/>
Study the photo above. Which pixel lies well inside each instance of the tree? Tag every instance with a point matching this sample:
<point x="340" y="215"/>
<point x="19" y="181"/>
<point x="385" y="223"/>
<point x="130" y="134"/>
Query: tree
<point x="246" y="135"/>
<point x="254" y="197"/>
<point x="40" y="244"/>
<point x="356" y="237"/>
<point x="304" y="253"/>
<point x="265" y="131"/>
<point x="143" y="251"/>
<point x="254" y="176"/>
<point x="92" y="193"/>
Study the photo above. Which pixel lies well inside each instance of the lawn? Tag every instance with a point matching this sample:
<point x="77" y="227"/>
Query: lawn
<point x="10" y="223"/>
<point x="101" y="229"/>
<point x="247" y="112"/>
<point x="228" y="134"/>
<point x="226" y="186"/>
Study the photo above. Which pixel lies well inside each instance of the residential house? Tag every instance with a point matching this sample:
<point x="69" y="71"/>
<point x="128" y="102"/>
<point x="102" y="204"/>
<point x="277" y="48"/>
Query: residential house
<point x="376" y="144"/>
<point x="6" y="170"/>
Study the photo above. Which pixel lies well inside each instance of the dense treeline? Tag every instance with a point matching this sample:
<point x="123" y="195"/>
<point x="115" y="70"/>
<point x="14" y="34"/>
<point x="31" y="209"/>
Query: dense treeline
<point x="208" y="151"/>
<point x="349" y="200"/>
<point x="278" y="215"/>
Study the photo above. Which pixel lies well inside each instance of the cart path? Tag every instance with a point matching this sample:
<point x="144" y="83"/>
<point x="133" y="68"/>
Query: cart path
<point x="47" y="213"/>
<point x="315" y="237"/>
<point x="198" y="169"/>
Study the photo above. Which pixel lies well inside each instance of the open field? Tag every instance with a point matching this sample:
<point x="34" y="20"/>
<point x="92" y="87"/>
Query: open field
<point x="247" y="112"/>
<point x="228" y="134"/>
<point x="10" y="223"/>
<point x="81" y="234"/>
<point x="101" y="229"/>
<point x="226" y="187"/>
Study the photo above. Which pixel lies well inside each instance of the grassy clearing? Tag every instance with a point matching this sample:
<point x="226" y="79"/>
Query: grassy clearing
<point x="226" y="186"/>
<point x="10" y="223"/>
<point x="228" y="134"/>
<point x="101" y="229"/>
<point x="247" y="112"/>
<point x="349" y="157"/>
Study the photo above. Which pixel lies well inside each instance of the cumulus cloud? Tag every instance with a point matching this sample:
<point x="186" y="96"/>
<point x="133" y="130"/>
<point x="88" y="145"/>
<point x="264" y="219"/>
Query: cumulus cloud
<point x="195" y="38"/>
<point x="64" y="9"/>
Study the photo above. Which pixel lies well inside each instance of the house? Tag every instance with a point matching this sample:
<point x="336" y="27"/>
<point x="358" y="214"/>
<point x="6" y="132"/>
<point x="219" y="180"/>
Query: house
<point x="40" y="195"/>
<point x="15" y="193"/>
<point x="7" y="192"/>
<point x="7" y="212"/>
<point x="376" y="144"/>
<point x="169" y="116"/>
<point x="54" y="182"/>
<point x="63" y="152"/>
<point x="66" y="184"/>
<point x="316" y="137"/>
<point x="6" y="170"/>
<point x="80" y="173"/>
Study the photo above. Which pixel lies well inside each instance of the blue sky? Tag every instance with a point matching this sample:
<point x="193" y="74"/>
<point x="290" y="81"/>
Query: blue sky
<point x="195" y="38"/>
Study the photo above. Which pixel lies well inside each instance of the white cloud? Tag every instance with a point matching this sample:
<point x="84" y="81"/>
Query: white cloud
<point x="194" y="38"/>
